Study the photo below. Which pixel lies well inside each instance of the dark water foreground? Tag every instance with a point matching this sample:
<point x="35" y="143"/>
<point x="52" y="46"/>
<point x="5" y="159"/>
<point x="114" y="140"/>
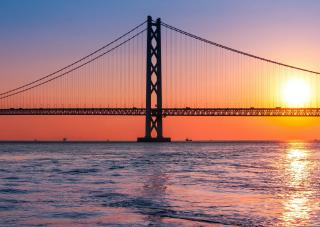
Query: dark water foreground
<point x="177" y="184"/>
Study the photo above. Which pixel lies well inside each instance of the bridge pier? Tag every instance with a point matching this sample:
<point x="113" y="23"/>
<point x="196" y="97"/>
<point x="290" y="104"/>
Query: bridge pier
<point x="152" y="140"/>
<point x="153" y="127"/>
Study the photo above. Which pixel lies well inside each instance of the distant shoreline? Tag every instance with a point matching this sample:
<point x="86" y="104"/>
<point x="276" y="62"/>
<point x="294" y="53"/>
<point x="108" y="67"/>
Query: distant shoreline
<point x="177" y="141"/>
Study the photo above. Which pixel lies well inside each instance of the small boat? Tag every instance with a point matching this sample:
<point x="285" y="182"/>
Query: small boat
<point x="188" y="140"/>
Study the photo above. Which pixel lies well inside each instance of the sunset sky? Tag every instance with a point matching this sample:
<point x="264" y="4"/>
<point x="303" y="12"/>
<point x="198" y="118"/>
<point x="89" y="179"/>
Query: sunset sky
<point x="38" y="37"/>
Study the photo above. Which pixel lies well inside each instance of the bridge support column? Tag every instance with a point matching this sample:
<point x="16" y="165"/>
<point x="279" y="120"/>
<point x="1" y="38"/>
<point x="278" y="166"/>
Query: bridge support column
<point x="153" y="130"/>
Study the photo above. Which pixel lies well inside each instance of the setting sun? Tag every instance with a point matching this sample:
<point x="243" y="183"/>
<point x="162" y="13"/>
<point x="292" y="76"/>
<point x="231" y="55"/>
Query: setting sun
<point x="296" y="92"/>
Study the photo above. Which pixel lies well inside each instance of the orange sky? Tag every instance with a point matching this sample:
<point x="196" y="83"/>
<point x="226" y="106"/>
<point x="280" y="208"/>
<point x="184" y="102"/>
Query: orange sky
<point x="179" y="128"/>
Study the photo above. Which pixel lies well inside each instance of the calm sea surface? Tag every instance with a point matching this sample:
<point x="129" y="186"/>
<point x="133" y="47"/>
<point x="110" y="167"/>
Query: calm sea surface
<point x="176" y="184"/>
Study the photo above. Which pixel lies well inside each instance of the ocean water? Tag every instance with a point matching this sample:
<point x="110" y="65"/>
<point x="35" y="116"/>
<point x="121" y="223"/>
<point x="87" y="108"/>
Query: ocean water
<point x="176" y="184"/>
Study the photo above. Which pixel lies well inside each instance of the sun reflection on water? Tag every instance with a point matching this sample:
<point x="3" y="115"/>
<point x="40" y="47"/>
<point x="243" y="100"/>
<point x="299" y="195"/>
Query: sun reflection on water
<point x="297" y="169"/>
<point x="299" y="166"/>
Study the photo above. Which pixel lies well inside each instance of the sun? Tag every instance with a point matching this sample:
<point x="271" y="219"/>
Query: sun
<point x="296" y="92"/>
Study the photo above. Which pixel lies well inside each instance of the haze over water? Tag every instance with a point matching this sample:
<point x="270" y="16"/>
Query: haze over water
<point x="190" y="184"/>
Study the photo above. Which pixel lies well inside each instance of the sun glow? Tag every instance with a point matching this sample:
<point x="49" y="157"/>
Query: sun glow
<point x="296" y="92"/>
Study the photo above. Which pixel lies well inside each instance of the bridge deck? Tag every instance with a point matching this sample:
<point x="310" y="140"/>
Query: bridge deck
<point x="244" y="112"/>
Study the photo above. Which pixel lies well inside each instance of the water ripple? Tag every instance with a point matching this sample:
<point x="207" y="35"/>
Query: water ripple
<point x="176" y="184"/>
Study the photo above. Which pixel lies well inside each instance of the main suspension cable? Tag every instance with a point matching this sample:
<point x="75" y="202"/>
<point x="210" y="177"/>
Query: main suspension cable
<point x="74" y="63"/>
<point x="235" y="50"/>
<point x="71" y="70"/>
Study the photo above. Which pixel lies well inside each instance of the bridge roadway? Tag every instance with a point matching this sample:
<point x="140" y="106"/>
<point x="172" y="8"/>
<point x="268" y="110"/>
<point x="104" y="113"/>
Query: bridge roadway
<point x="241" y="112"/>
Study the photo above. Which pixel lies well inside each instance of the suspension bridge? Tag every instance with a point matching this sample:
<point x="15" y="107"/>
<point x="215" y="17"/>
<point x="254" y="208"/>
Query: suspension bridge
<point x="157" y="70"/>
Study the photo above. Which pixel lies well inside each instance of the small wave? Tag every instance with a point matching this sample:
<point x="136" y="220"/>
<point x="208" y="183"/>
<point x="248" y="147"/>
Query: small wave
<point x="81" y="171"/>
<point x="4" y="170"/>
<point x="8" y="207"/>
<point x="116" y="167"/>
<point x="104" y="182"/>
<point x="13" y="191"/>
<point x="73" y="215"/>
<point x="154" y="208"/>
<point x="111" y="195"/>
<point x="201" y="220"/>
<point x="135" y="203"/>
<point x="11" y="178"/>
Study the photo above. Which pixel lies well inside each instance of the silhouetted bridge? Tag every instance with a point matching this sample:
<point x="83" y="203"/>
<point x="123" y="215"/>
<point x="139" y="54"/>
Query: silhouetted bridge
<point x="157" y="70"/>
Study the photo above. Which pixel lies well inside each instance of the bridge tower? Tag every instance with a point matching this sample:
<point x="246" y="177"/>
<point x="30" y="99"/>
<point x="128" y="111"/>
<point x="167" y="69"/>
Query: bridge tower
<point x="153" y="127"/>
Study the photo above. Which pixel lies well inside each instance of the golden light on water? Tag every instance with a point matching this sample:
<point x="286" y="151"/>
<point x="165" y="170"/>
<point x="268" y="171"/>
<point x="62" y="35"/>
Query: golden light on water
<point x="298" y="167"/>
<point x="297" y="209"/>
<point x="296" y="153"/>
<point x="296" y="92"/>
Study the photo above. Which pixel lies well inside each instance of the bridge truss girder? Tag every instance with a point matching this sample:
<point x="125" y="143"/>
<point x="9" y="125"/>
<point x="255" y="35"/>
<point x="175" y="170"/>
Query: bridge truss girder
<point x="171" y="112"/>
